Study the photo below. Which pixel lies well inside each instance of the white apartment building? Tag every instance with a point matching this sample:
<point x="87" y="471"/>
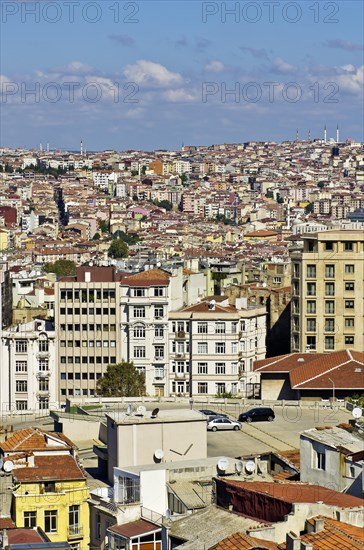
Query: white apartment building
<point x="146" y="298"/>
<point x="28" y="376"/>
<point x="221" y="343"/>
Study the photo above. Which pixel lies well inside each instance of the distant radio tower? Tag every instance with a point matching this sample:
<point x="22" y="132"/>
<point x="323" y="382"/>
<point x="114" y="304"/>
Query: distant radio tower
<point x="81" y="148"/>
<point x="337" y="134"/>
<point x="325" y="134"/>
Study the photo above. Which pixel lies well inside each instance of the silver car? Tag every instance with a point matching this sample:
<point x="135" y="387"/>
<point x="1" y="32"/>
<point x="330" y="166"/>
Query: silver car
<point x="223" y="424"/>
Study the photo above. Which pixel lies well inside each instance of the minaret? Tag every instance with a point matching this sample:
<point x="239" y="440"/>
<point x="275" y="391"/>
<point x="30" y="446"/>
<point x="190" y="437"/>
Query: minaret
<point x="337" y="134"/>
<point x="81" y="148"/>
<point x="325" y="134"/>
<point x="297" y="134"/>
<point x="309" y="135"/>
<point x="47" y="147"/>
<point x="41" y="148"/>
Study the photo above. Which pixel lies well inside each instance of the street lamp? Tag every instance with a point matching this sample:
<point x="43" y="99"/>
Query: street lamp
<point x="333" y="392"/>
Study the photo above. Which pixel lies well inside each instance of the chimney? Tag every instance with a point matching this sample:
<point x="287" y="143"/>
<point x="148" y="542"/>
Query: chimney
<point x="318" y="525"/>
<point x="87" y="276"/>
<point x="292" y="541"/>
<point x="306" y="546"/>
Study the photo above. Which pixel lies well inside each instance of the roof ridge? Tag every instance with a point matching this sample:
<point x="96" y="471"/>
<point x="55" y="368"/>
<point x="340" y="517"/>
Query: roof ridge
<point x="281" y="358"/>
<point x="321" y="373"/>
<point x="34" y="430"/>
<point x="342" y="531"/>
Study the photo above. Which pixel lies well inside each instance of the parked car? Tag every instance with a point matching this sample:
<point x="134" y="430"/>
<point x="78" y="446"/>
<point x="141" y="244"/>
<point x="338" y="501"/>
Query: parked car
<point x="260" y="414"/>
<point x="210" y="415"/>
<point x="222" y="423"/>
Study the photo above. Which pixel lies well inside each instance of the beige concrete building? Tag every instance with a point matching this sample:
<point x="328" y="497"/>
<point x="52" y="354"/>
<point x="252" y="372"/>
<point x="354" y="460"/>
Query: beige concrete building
<point x="87" y="320"/>
<point x="327" y="305"/>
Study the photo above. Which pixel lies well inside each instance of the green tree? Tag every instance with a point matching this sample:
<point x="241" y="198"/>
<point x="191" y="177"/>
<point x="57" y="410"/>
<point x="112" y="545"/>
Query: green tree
<point x="164" y="204"/>
<point x="121" y="380"/>
<point x="144" y="169"/>
<point x="104" y="226"/>
<point x="118" y="249"/>
<point x="309" y="208"/>
<point x="321" y="184"/>
<point x="96" y="237"/>
<point x="62" y="268"/>
<point x="134" y="172"/>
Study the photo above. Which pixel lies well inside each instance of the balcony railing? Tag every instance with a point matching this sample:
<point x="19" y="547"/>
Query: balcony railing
<point x="159" y="374"/>
<point x="43" y="374"/>
<point x="43" y="354"/>
<point x="75" y="531"/>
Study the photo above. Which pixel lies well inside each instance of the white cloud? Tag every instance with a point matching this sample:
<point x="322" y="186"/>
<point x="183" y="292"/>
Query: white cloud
<point x="351" y="80"/>
<point x="215" y="66"/>
<point x="150" y="73"/>
<point x="282" y="66"/>
<point x="179" y="95"/>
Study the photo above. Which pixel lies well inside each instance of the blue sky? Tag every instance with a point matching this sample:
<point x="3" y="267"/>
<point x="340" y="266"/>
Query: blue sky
<point x="147" y="75"/>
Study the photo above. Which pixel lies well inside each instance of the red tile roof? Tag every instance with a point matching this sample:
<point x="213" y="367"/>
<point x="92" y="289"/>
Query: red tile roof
<point x="50" y="468"/>
<point x="6" y="523"/>
<point x="135" y="528"/>
<point x="314" y="370"/>
<point x="293" y="492"/>
<point x="35" y="439"/>
<point x="152" y="277"/>
<point x="24" y="536"/>
<point x="240" y="541"/>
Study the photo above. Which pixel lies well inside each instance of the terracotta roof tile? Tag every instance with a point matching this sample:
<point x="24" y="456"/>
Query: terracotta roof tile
<point x="35" y="439"/>
<point x="241" y="541"/>
<point x="134" y="528"/>
<point x="152" y="277"/>
<point x="50" y="468"/>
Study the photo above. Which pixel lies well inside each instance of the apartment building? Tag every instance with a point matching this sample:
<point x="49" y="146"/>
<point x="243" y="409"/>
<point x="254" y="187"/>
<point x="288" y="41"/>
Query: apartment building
<point x="327" y="307"/>
<point x="87" y="323"/>
<point x="221" y="343"/>
<point x="28" y="376"/>
<point x="6" y="299"/>
<point x="146" y="298"/>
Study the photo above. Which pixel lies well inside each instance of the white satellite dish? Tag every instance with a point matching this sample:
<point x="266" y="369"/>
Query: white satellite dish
<point x="223" y="464"/>
<point x="141" y="410"/>
<point x="8" y="466"/>
<point x="239" y="467"/>
<point x="357" y="412"/>
<point x="159" y="454"/>
<point x="129" y="410"/>
<point x="250" y="466"/>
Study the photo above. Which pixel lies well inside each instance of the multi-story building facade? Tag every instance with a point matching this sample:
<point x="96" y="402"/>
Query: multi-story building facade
<point x="327" y="308"/>
<point x="28" y="375"/>
<point x="5" y="296"/>
<point x="87" y="323"/>
<point x="221" y="344"/>
<point x="146" y="298"/>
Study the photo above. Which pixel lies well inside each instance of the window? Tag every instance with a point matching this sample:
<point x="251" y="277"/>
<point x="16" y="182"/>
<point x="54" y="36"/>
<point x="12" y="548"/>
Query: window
<point x="158" y="291"/>
<point x="350" y="286"/>
<point x="98" y="527"/>
<point x="311" y="271"/>
<point x="349" y="268"/>
<point x="220" y="327"/>
<point x="320" y="460"/>
<point x="128" y="490"/>
<point x="21" y="386"/>
<point x="43" y="404"/>
<point x="329" y="325"/>
<point x="311" y="325"/>
<point x="311" y="306"/>
<point x="21" y="366"/>
<point x="50" y="487"/>
<point x="349" y="304"/>
<point x="158" y="312"/>
<point x="296" y="270"/>
<point x="140" y="292"/>
<point x="329" y="342"/>
<point x="220" y="368"/>
<point x="139" y="311"/>
<point x="159" y="352"/>
<point x="202" y="387"/>
<point x="159" y="332"/>
<point x="74" y="520"/>
<point x="330" y="289"/>
<point x="349" y="340"/>
<point x="202" y="347"/>
<point x="348" y="246"/>
<point x="329" y="306"/>
<point x="43" y="345"/>
<point x="139" y="352"/>
<point x="329" y="271"/>
<point x="311" y="289"/>
<point x="220" y="388"/>
<point x="234" y="347"/>
<point x="50" y="521"/>
<point x="43" y="385"/>
<point x="21" y="405"/>
<point x="220" y="347"/>
<point x="329" y="245"/>
<point x="201" y="368"/>
<point x="234" y="327"/>
<point x="21" y="346"/>
<point x="202" y="328"/>
<point x="349" y="322"/>
<point x="311" y="342"/>
<point x="30" y="519"/>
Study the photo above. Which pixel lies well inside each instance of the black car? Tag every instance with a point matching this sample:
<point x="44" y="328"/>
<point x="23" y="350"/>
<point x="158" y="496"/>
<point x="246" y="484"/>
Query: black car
<point x="210" y="415"/>
<point x="260" y="414"/>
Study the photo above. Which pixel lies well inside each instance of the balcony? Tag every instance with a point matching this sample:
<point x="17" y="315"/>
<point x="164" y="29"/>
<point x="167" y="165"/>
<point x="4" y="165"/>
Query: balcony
<point x="43" y="393"/>
<point x="42" y="374"/>
<point x="75" y="532"/>
<point x="180" y="375"/>
<point x="43" y="355"/>
<point x="159" y="374"/>
<point x="180" y="355"/>
<point x="159" y="360"/>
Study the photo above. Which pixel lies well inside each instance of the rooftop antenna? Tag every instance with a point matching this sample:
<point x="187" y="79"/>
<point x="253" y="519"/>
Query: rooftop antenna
<point x="309" y="135"/>
<point x="325" y="134"/>
<point x="337" y="133"/>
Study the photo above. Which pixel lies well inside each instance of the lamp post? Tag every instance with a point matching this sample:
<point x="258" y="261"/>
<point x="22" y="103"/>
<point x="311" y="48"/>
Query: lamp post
<point x="333" y="392"/>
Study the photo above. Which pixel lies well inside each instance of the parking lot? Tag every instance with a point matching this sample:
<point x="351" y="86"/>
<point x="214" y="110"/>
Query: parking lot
<point x="282" y="434"/>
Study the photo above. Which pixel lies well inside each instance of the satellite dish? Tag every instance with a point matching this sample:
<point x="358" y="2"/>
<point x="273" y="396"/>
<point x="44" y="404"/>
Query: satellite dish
<point x="155" y="413"/>
<point x="168" y="513"/>
<point x="223" y="464"/>
<point x="159" y="454"/>
<point x="250" y="466"/>
<point x="8" y="466"/>
<point x="141" y="410"/>
<point x="129" y="410"/>
<point x="357" y="412"/>
<point x="239" y="467"/>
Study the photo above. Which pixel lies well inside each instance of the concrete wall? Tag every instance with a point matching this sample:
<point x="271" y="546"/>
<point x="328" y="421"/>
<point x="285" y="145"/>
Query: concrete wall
<point x="78" y="427"/>
<point x="276" y="386"/>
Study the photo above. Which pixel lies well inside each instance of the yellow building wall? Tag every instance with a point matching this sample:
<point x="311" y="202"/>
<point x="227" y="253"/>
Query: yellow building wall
<point x="31" y="497"/>
<point x="3" y="239"/>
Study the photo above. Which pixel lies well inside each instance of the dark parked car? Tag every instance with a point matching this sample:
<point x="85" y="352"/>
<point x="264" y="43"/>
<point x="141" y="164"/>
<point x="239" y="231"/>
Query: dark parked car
<point x="210" y="415"/>
<point x="257" y="415"/>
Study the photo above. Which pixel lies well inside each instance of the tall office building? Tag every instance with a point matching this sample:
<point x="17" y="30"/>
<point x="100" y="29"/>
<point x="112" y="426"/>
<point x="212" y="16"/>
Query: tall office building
<point x="87" y="315"/>
<point x="328" y="292"/>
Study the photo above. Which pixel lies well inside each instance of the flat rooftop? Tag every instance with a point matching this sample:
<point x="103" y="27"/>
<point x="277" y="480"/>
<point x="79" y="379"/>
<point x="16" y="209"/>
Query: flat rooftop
<point x="163" y="416"/>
